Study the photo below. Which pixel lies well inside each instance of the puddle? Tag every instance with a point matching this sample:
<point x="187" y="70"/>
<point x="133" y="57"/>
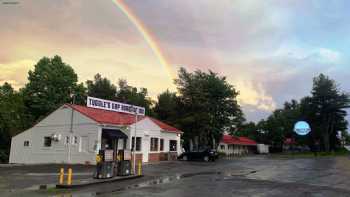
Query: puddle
<point x="162" y="180"/>
<point x="229" y="175"/>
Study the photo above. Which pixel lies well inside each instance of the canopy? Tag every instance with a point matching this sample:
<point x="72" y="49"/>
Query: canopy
<point x="114" y="133"/>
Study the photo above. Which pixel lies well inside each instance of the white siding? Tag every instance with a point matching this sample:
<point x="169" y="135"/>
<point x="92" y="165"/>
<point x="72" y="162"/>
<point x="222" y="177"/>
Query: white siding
<point x="57" y="122"/>
<point x="87" y="131"/>
<point x="147" y="129"/>
<point x="233" y="149"/>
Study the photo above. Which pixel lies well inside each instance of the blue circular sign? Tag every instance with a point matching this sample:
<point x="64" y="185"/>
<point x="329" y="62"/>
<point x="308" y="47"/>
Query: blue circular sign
<point x="302" y="128"/>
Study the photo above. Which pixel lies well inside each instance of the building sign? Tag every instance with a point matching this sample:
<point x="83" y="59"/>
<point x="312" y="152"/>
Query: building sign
<point x="114" y="106"/>
<point x="302" y="128"/>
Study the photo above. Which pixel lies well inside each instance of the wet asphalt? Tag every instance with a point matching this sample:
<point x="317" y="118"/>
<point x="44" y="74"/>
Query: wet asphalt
<point x="245" y="176"/>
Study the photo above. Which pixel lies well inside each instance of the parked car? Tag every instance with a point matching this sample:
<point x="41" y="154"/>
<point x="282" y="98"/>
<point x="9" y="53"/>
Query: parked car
<point x="201" y="155"/>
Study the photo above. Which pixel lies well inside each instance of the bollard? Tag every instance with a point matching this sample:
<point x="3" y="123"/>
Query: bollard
<point x="139" y="172"/>
<point x="61" y="175"/>
<point x="69" y="177"/>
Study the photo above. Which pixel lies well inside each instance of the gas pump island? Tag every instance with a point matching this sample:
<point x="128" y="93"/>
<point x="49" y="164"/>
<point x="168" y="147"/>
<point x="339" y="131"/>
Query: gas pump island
<point x="112" y="161"/>
<point x="109" y="165"/>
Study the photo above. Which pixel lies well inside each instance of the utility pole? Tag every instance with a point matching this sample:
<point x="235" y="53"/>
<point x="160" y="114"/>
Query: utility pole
<point x="71" y="130"/>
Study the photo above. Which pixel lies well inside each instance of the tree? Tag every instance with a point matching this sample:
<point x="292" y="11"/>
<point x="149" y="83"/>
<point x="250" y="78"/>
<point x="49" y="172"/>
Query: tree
<point x="131" y="95"/>
<point x="328" y="105"/>
<point x="208" y="106"/>
<point x="50" y="85"/>
<point x="101" y="88"/>
<point x="279" y="126"/>
<point x="13" y="118"/>
<point x="324" y="110"/>
<point x="248" y="129"/>
<point x="166" y="107"/>
<point x="80" y="94"/>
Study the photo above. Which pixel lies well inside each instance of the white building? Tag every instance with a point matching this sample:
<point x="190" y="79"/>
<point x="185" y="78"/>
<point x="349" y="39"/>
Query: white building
<point x="232" y="145"/>
<point x="51" y="140"/>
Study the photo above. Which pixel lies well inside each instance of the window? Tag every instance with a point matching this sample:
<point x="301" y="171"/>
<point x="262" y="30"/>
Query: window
<point x="67" y="140"/>
<point x="222" y="147"/>
<point x="230" y="147"/>
<point x="26" y="143"/>
<point x="161" y="145"/>
<point x="47" y="141"/>
<point x="75" y="140"/>
<point x="172" y="145"/>
<point x="138" y="143"/>
<point x="154" y="144"/>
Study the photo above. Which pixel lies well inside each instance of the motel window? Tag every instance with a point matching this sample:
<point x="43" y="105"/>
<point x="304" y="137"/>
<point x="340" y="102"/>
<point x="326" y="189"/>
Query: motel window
<point x="138" y="143"/>
<point x="26" y="143"/>
<point x="75" y="140"/>
<point x="67" y="140"/>
<point x="230" y="147"/>
<point x="154" y="144"/>
<point x="222" y="147"/>
<point x="161" y="145"/>
<point x="172" y="145"/>
<point x="47" y="141"/>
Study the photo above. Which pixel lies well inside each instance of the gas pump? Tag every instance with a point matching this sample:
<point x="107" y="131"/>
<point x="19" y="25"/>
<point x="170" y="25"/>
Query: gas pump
<point x="124" y="163"/>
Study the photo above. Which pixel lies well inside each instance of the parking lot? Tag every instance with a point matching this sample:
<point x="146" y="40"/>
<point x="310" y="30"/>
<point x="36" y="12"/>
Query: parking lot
<point x="245" y="176"/>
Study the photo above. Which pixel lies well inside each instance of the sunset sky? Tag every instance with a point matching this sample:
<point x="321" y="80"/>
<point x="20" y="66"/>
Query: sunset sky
<point x="269" y="50"/>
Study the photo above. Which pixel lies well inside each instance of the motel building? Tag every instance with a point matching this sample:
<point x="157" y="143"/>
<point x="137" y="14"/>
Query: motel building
<point x="236" y="146"/>
<point x="74" y="134"/>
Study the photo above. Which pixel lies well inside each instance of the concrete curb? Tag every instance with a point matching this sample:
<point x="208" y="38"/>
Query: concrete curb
<point x="96" y="181"/>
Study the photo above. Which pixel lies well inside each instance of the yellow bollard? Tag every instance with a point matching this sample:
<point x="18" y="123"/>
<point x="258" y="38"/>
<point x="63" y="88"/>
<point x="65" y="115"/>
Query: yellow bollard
<point x="61" y="175"/>
<point x="139" y="172"/>
<point x="69" y="177"/>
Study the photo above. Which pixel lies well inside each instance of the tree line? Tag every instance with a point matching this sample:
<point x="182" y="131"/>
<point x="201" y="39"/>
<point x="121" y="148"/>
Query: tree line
<point x="324" y="109"/>
<point x="204" y="106"/>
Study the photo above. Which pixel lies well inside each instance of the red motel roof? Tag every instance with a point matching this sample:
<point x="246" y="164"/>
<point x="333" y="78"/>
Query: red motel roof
<point x="117" y="118"/>
<point x="228" y="139"/>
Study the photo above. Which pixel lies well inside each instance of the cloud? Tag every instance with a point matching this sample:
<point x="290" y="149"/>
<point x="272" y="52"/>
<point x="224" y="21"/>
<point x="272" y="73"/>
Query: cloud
<point x="329" y="55"/>
<point x="254" y="96"/>
<point x="16" y="72"/>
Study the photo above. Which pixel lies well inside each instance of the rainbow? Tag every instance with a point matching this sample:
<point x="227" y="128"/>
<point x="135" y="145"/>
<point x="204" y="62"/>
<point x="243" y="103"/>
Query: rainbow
<point x="151" y="41"/>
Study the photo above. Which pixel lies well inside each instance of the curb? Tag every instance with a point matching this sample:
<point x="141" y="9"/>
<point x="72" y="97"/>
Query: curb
<point x="96" y="181"/>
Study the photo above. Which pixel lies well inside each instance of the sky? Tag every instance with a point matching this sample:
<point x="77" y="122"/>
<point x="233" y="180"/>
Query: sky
<point x="269" y="50"/>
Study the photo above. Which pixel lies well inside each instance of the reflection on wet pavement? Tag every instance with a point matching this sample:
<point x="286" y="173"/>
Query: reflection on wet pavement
<point x="162" y="180"/>
<point x="250" y="176"/>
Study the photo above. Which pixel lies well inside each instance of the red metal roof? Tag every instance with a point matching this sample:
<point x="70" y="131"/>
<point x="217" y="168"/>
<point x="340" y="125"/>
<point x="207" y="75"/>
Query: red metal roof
<point x="117" y="118"/>
<point x="228" y="139"/>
